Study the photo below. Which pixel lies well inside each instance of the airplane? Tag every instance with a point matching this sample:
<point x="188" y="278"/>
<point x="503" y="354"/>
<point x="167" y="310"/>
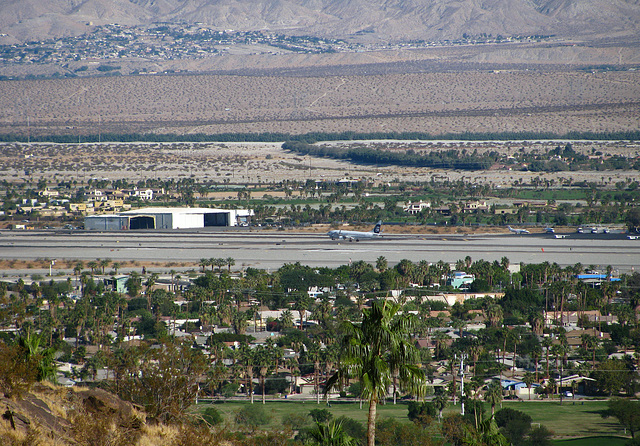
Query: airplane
<point x="338" y="234"/>
<point x="518" y="231"/>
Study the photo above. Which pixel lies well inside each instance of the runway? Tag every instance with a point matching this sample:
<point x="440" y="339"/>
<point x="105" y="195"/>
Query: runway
<point x="270" y="250"/>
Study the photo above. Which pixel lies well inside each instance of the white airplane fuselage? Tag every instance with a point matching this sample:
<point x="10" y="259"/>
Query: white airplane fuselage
<point x="518" y="231"/>
<point x="339" y="234"/>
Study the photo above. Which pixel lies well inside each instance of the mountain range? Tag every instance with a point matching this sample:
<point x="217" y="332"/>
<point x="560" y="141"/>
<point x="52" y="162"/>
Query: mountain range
<point x="385" y="20"/>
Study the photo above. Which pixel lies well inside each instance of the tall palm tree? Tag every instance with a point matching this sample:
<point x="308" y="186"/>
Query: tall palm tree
<point x="440" y="403"/>
<point x="103" y="263"/>
<point x="373" y="349"/>
<point x="77" y="269"/>
<point x="247" y="359"/>
<point x="494" y="395"/>
<point x="286" y="319"/>
<point x="547" y="343"/>
<point x="93" y="265"/>
<point x="494" y="315"/>
<point x="381" y="264"/>
<point x="528" y="379"/>
<point x="230" y="261"/>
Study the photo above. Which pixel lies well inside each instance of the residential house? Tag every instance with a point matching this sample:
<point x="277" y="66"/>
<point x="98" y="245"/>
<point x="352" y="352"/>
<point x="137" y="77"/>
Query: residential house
<point x="414" y="208"/>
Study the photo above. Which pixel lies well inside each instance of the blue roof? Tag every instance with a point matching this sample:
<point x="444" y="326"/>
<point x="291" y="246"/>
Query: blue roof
<point x="596" y="276"/>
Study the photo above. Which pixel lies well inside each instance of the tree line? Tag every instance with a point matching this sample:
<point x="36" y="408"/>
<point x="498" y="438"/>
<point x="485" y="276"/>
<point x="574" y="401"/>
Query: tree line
<point x="311" y="137"/>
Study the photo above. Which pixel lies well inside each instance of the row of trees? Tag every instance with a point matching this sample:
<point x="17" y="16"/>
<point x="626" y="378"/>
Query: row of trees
<point x="323" y="136"/>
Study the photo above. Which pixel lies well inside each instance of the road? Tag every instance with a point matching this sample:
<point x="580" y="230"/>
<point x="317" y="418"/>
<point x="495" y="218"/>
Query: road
<point x="269" y="250"/>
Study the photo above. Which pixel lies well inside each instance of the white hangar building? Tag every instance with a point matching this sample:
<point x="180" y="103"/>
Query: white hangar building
<point x="168" y="218"/>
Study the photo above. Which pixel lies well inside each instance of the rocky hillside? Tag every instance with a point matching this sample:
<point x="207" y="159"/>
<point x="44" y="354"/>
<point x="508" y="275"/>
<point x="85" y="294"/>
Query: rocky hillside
<point x="384" y="20"/>
<point x="70" y="416"/>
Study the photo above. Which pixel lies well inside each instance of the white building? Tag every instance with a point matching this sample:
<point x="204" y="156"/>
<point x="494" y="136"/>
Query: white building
<point x="415" y="208"/>
<point x="168" y="218"/>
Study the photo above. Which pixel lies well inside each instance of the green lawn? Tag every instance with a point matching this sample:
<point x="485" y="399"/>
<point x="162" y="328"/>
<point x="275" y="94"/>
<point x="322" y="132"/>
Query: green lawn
<point x="566" y="421"/>
<point x="280" y="409"/>
<point x="570" y="420"/>
<point x="593" y="441"/>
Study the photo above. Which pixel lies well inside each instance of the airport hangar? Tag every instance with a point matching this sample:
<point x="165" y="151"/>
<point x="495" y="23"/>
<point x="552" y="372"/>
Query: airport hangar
<point x="168" y="218"/>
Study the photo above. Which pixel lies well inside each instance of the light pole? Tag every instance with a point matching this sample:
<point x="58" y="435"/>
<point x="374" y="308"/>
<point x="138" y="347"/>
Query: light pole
<point x="53" y="262"/>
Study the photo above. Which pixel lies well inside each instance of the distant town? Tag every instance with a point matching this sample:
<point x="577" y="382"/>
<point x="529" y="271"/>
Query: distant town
<point x="99" y="52"/>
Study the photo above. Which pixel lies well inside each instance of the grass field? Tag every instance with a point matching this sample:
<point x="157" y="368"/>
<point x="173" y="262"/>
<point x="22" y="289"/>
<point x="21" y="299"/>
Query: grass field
<point x="570" y="420"/>
<point x="593" y="441"/>
<point x="566" y="421"/>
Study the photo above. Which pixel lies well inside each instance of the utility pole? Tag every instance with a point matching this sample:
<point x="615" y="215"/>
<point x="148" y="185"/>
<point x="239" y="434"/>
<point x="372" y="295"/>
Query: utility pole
<point x="462" y="385"/>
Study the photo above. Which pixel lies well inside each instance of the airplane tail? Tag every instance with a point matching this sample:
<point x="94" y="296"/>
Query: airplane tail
<point x="377" y="228"/>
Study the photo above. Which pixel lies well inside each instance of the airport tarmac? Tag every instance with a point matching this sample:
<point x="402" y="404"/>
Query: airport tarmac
<point x="270" y="250"/>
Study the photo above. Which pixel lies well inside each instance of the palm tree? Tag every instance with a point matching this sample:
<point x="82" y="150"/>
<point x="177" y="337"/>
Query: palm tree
<point x="93" y="265"/>
<point x="528" y="379"/>
<point x="381" y="264"/>
<point x="590" y="343"/>
<point x="151" y="281"/>
<point x="77" y="269"/>
<point x="372" y="350"/>
<point x="219" y="262"/>
<point x="547" y="343"/>
<point x="494" y="315"/>
<point x="467" y="261"/>
<point x="332" y="434"/>
<point x="493" y="395"/>
<point x="301" y="306"/>
<point x="230" y="261"/>
<point x="440" y="339"/>
<point x="440" y="403"/>
<point x="247" y="358"/>
<point x="286" y="319"/>
<point x="536" y="321"/>
<point x="104" y="263"/>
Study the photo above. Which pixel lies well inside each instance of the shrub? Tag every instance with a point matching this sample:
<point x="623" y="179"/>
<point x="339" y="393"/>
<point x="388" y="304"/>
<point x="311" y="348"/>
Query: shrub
<point x="212" y="416"/>
<point x="229" y="389"/>
<point x="541" y="436"/>
<point x="355" y="389"/>
<point x="252" y="416"/>
<point x="320" y="415"/>
<point x="352" y="427"/>
<point x="421" y="413"/>
<point x="395" y="433"/>
<point x="294" y="421"/>
<point x="17" y="370"/>
<point x="513" y="424"/>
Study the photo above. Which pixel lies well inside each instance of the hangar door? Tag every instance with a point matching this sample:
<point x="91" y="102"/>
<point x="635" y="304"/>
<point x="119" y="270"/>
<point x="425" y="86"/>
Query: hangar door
<point x="216" y="219"/>
<point x="142" y="222"/>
